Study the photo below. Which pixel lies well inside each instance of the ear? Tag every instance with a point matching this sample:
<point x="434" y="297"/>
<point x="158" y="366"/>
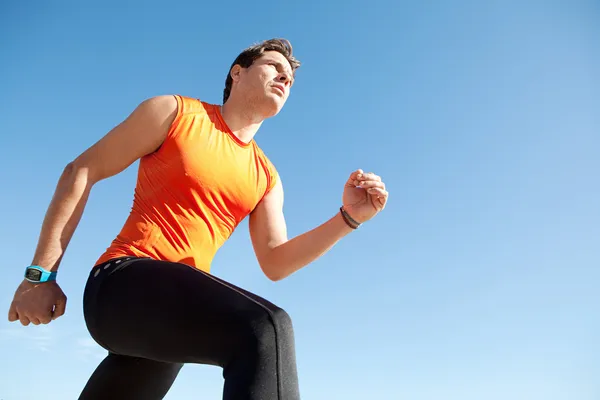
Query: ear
<point x="235" y="72"/>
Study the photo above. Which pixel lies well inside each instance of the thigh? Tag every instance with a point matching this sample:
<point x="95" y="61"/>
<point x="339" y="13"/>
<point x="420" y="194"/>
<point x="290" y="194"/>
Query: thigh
<point x="130" y="378"/>
<point x="171" y="312"/>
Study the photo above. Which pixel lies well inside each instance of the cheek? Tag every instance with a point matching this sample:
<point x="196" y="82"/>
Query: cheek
<point x="257" y="82"/>
<point x="265" y="77"/>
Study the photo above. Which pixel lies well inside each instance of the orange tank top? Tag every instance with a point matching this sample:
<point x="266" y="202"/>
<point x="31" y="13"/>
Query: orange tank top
<point x="193" y="191"/>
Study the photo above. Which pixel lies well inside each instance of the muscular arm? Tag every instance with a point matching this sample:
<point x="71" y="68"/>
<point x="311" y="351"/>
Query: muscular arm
<point x="279" y="257"/>
<point x="141" y="133"/>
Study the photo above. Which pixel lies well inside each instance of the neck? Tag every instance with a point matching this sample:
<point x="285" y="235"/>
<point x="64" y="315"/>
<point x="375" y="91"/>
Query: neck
<point x="243" y="120"/>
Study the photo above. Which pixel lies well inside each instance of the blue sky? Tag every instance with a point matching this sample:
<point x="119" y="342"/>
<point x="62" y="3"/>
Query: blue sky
<point x="478" y="281"/>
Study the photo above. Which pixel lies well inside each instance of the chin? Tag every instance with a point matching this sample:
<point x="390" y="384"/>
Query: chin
<point x="272" y="106"/>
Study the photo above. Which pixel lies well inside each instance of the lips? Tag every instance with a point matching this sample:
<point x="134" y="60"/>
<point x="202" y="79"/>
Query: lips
<point x="280" y="88"/>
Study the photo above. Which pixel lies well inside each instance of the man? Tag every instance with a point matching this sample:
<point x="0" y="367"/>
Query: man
<point x="150" y="299"/>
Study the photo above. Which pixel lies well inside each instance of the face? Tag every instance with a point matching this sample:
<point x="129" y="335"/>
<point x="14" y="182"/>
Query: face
<point x="266" y="83"/>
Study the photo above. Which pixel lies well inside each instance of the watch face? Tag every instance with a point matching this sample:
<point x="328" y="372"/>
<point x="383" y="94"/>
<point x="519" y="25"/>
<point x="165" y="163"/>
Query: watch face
<point x="33" y="274"/>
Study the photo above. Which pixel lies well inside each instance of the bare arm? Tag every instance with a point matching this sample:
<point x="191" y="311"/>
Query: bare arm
<point x="141" y="133"/>
<point x="279" y="257"/>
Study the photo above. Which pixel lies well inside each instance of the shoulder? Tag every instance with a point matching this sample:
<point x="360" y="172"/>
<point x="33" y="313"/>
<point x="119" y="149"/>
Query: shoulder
<point x="168" y="111"/>
<point x="190" y="104"/>
<point x="268" y="166"/>
<point x="175" y="103"/>
<point x="153" y="112"/>
<point x="159" y="103"/>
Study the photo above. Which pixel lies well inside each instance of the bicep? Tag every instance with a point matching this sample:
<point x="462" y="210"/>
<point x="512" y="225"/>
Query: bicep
<point x="141" y="133"/>
<point x="267" y="223"/>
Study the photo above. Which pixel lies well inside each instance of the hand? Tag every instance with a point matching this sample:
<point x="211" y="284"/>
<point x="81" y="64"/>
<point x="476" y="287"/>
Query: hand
<point x="364" y="195"/>
<point x="37" y="303"/>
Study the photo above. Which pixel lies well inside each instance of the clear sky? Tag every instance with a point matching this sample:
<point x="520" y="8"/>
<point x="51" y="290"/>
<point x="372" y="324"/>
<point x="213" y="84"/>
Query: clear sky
<point x="478" y="281"/>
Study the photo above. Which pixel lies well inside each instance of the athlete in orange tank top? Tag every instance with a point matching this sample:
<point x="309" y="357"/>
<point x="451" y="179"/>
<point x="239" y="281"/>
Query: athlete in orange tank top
<point x="194" y="190"/>
<point x="150" y="299"/>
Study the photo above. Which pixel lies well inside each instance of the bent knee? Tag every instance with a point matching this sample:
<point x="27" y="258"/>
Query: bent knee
<point x="271" y="328"/>
<point x="282" y="319"/>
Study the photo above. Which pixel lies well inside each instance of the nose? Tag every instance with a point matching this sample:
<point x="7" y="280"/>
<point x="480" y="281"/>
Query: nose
<point x="284" y="78"/>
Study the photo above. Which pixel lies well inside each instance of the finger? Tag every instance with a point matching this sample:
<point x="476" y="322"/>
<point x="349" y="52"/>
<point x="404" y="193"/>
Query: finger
<point x="12" y="313"/>
<point x="378" y="197"/>
<point x="380" y="194"/>
<point x="34" y="321"/>
<point x="378" y="191"/>
<point x="370" y="184"/>
<point x="24" y="320"/>
<point x="369" y="176"/>
<point x="46" y="318"/>
<point x="59" y="308"/>
<point x="353" y="176"/>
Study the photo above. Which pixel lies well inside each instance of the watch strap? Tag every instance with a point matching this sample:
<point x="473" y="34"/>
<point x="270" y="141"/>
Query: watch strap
<point x="37" y="274"/>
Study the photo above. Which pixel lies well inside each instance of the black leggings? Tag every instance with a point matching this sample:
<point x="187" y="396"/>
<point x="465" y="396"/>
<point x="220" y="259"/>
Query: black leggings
<point x="154" y="316"/>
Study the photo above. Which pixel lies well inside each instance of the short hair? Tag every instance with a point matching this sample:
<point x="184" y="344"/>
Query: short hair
<point x="247" y="57"/>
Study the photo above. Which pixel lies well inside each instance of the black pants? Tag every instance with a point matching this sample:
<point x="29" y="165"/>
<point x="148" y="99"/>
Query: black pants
<point x="155" y="316"/>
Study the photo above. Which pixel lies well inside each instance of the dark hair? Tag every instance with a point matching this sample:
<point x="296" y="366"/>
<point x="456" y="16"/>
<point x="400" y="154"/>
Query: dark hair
<point x="247" y="57"/>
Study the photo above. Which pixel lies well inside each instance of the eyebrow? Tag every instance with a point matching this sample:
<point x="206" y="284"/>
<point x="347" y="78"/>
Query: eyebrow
<point x="281" y="66"/>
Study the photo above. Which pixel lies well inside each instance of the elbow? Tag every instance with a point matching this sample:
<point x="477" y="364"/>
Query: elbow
<point x="275" y="261"/>
<point x="76" y="174"/>
<point x="273" y="270"/>
<point x="272" y="273"/>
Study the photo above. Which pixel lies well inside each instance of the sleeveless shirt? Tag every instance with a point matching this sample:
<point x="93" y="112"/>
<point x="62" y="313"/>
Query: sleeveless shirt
<point x="193" y="191"/>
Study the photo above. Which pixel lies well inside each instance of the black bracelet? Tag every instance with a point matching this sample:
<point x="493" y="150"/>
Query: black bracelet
<point x="348" y="219"/>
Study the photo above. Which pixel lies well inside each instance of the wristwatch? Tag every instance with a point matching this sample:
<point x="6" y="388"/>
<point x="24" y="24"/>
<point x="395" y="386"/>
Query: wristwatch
<point x="36" y="274"/>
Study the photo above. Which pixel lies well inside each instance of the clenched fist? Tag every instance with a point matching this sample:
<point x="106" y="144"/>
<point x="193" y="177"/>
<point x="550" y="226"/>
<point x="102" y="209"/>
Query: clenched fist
<point x="37" y="303"/>
<point x="364" y="195"/>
